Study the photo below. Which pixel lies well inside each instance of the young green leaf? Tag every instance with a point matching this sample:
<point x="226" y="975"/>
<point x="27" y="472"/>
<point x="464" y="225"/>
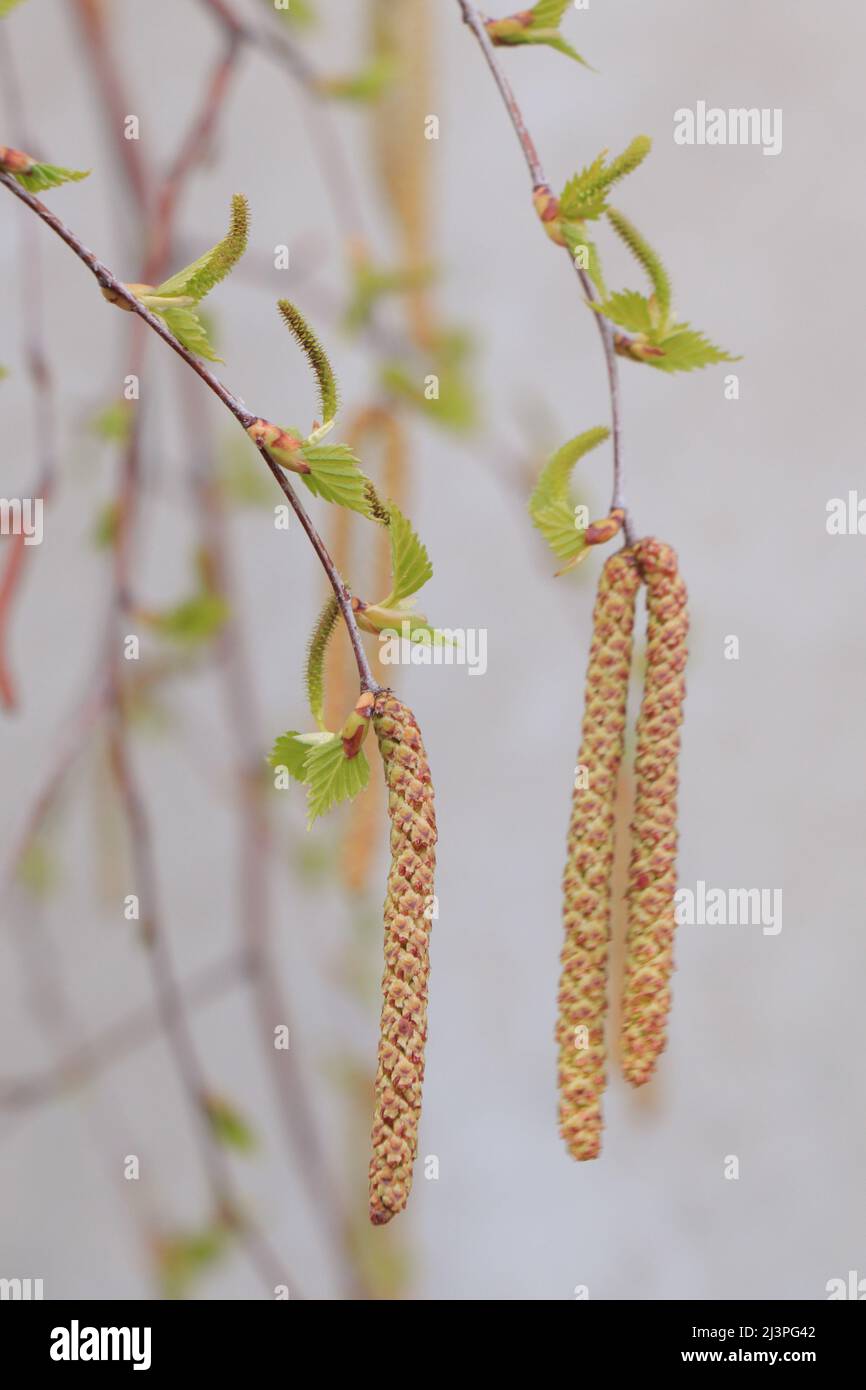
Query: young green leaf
<point x="316" y="356"/>
<point x="40" y="177"/>
<point x="291" y="751"/>
<point x="538" y="25"/>
<point x="336" y="476"/>
<point x="199" y="278"/>
<point x="332" y="777"/>
<point x="188" y="328"/>
<point x="410" y="563"/>
<point x="316" y="651"/>
<point x="7" y="6"/>
<point x="584" y="196"/>
<point x="584" y="253"/>
<point x="550" y="505"/>
<point x="628" y="310"/>
<point x="683" y="349"/>
<point x="646" y="257"/>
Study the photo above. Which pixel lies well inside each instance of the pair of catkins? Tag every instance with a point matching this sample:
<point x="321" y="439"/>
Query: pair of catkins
<point x="587" y="882"/>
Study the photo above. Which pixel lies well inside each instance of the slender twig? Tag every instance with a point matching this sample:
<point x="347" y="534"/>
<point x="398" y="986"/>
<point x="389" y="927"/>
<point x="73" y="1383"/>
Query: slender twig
<point x="295" y="1109"/>
<point x="15" y="551"/>
<point x="106" y="73"/>
<point x="118" y="293"/>
<point x="539" y="181"/>
<point x="171" y="1007"/>
<point x="83" y="1062"/>
<point x="193" y="148"/>
<point x="331" y="161"/>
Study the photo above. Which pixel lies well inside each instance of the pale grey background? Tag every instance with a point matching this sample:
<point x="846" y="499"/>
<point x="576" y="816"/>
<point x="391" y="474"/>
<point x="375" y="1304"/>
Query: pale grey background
<point x="766" y="1052"/>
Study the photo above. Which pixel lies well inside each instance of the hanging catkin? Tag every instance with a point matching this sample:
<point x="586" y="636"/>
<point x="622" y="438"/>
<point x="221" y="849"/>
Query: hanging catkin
<point x="403" y="1032"/>
<point x="586" y="883"/>
<point x="652" y="869"/>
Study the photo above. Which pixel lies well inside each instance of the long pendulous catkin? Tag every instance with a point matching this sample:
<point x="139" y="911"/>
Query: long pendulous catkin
<point x="652" y="868"/>
<point x="586" y="883"/>
<point x="403" y="1033"/>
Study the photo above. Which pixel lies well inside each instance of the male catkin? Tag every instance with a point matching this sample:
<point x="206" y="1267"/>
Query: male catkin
<point x="403" y="1032"/>
<point x="652" y="870"/>
<point x="586" y="883"/>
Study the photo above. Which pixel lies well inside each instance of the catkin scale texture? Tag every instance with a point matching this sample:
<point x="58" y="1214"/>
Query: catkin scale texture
<point x="652" y="869"/>
<point x="403" y="1032"/>
<point x="586" y="882"/>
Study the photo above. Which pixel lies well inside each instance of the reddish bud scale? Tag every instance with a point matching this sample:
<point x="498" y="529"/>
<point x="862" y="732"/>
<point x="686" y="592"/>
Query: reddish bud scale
<point x="15" y="161"/>
<point x="403" y="1032"/>
<point x="652" y="870"/>
<point x="586" y="882"/>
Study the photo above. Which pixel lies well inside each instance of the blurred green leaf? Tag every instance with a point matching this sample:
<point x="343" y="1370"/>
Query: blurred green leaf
<point x="228" y="1125"/>
<point x="196" y="620"/>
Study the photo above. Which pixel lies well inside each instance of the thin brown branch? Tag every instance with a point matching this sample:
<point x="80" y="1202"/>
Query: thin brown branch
<point x="171" y="1007"/>
<point x="539" y="181"/>
<point x="331" y="159"/>
<point x="193" y="149"/>
<point x="106" y="73"/>
<point x="117" y="293"/>
<point x="15" y="552"/>
<point x="83" y="1062"/>
<point x="294" y="1107"/>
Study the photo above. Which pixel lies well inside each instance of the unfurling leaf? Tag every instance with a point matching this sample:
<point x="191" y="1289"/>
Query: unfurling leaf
<point x="538" y="25"/>
<point x="316" y="356"/>
<point x="39" y="177"/>
<point x="410" y="563"/>
<point x="584" y="196"/>
<point x="199" y="278"/>
<point x="660" y="343"/>
<point x="646" y="257"/>
<point x="316" y="652"/>
<point x="173" y="300"/>
<point x="550" y="505"/>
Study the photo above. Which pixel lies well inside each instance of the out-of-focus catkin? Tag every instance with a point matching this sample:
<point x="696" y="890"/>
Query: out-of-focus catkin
<point x="586" y="883"/>
<point x="652" y="869"/>
<point x="403" y="1033"/>
<point x="361" y="840"/>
